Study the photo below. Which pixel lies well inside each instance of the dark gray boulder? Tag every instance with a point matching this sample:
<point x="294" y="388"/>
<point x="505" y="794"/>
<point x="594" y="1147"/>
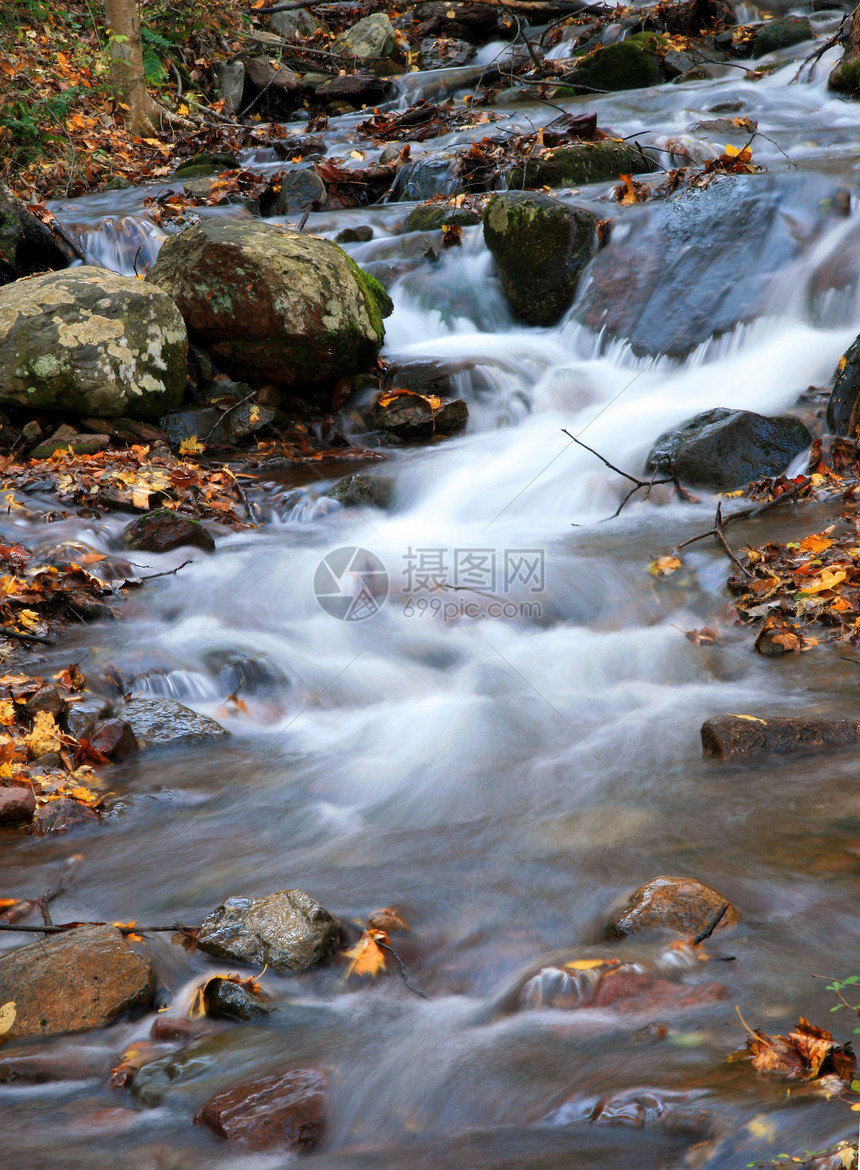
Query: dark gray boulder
<point x="843" y="407"/>
<point x="579" y="164"/>
<point x="722" y="449"/>
<point x="541" y="247"/>
<point x="26" y="244"/>
<point x="287" y="930"/>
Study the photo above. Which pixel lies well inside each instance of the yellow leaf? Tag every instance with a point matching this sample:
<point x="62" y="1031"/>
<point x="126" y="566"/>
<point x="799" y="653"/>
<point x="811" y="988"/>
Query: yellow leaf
<point x="732" y="151"/>
<point x="663" y="566"/>
<point x="752" y="718"/>
<point x="191" y="446"/>
<point x="45" y="736"/>
<point x="367" y="957"/>
<point x="8" y="1012"/>
<point x="829" y="579"/>
<point x="7" y="712"/>
<point x="356" y="154"/>
<point x="585" y="964"/>
<point x="182" y="109"/>
<point x="816" y="543"/>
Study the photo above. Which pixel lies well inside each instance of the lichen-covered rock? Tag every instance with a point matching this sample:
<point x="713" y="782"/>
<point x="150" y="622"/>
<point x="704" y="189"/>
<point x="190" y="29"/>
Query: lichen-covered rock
<point x="723" y="449"/>
<point x="288" y="930"/>
<point x="682" y="905"/>
<point x="629" y="64"/>
<point x="91" y="342"/>
<point x="373" y="36"/>
<point x="271" y="305"/>
<point x="541" y="247"/>
<point x="584" y="162"/>
<point x="73" y="981"/>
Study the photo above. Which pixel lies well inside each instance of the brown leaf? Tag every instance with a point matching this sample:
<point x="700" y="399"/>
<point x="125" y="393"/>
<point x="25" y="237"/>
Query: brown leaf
<point x="387" y="920"/>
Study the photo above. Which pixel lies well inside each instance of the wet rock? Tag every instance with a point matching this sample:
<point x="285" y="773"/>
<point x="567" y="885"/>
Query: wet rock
<point x="541" y="247"/>
<point x="81" y="717"/>
<point x="63" y="815"/>
<point x="271" y="305"/>
<point x="628" y="64"/>
<point x="359" y="234"/>
<point x="408" y="416"/>
<point x="427" y="376"/>
<point x="476" y="23"/>
<point x="26" y="244"/>
<point x="248" y="419"/>
<point x="294" y="25"/>
<point x="362" y="88"/>
<point x="373" y="36"/>
<point x="91" y="342"/>
<point x="78" y="444"/>
<point x="288" y="930"/>
<point x="224" y="997"/>
<point x="736" y="737"/>
<point x="843" y="407"/>
<point x="713" y="288"/>
<point x="361" y="489"/>
<point x="300" y="188"/>
<point x="16" y="805"/>
<point x="157" y="722"/>
<point x="575" y="166"/>
<point x="129" y="430"/>
<point x="721" y="449"/>
<point x="174" y="1028"/>
<point x="433" y="216"/>
<point x="629" y="991"/>
<point x="162" y="530"/>
<point x="679" y="1112"/>
<point x="205" y="423"/>
<point x="207" y="162"/>
<point x="451" y="417"/>
<point x="70" y="982"/>
<point x="445" y="52"/>
<point x="263" y="75"/>
<point x="435" y="174"/>
<point x="679" y="904"/>
<point x="781" y="33"/>
<point x="284" y="1112"/>
<point x="47" y="698"/>
<point x="114" y="738"/>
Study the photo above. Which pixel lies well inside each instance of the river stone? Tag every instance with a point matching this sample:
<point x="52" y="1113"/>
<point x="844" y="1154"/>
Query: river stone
<point x="91" y="342"/>
<point x="26" y="244"/>
<point x="292" y="25"/>
<point x="157" y="722"/>
<point x="300" y="188"/>
<point x="738" y="737"/>
<point x="541" y="247"/>
<point x="225" y="997"/>
<point x="284" y="1112"/>
<point x="843" y="407"/>
<point x="114" y="738"/>
<point x="163" y="530"/>
<point x="231" y="84"/>
<point x="16" y="805"/>
<point x="445" y="52"/>
<point x="679" y="904"/>
<point x="721" y="449"/>
<point x="272" y="305"/>
<point x="81" y="716"/>
<point x="628" y="64"/>
<point x="288" y="930"/>
<point x="781" y="33"/>
<point x="373" y="36"/>
<point x="70" y="982"/>
<point x="575" y="166"/>
<point x="63" y="815"/>
<point x="361" y="488"/>
<point x="430" y="217"/>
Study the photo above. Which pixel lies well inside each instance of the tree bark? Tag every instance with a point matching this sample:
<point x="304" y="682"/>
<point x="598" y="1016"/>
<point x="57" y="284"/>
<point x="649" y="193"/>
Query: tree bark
<point x="846" y="75"/>
<point x="127" y="72"/>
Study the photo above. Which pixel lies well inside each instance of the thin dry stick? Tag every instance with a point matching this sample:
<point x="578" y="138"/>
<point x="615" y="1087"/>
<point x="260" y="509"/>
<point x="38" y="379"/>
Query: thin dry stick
<point x="178" y="927"/>
<point x="712" y="925"/>
<point x="415" y="990"/>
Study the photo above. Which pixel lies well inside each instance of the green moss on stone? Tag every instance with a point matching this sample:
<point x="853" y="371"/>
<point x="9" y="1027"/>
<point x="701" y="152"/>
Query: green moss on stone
<point x="630" y="64"/>
<point x="845" y="78"/>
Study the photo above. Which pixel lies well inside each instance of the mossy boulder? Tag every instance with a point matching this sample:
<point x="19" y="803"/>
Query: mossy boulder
<point x="630" y="64"/>
<point x="88" y="341"/>
<point x="781" y="33"/>
<point x="582" y="163"/>
<point x="429" y="217"/>
<point x="272" y="305"/>
<point x="541" y="247"/>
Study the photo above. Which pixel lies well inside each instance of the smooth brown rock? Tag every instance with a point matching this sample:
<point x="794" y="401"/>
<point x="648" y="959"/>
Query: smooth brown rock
<point x="284" y="1112"/>
<point x="163" y="531"/>
<point x="114" y="738"/>
<point x="59" y="816"/>
<point x="71" y="982"/>
<point x="16" y="805"/>
<point x="734" y="737"/>
<point x="46" y="698"/>
<point x="679" y="904"/>
<point x="631" y="992"/>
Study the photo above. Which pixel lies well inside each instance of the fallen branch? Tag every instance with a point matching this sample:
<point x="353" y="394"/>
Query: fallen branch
<point x="167" y="572"/>
<point x="415" y="990"/>
<point x="638" y="483"/>
<point x="815" y="56"/>
<point x="25" y="637"/>
<point x="712" y="925"/>
<point x="721" y="522"/>
<point x="178" y="928"/>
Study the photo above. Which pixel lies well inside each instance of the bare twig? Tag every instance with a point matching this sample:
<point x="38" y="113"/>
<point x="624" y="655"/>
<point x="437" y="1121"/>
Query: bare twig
<point x="167" y="572"/>
<point x="177" y="927"/>
<point x="415" y="990"/>
<point x="815" y="56"/>
<point x="4" y="633"/>
<point x="712" y="925"/>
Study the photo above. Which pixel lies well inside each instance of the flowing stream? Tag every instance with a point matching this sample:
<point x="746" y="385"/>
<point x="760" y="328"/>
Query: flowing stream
<point x="501" y="780"/>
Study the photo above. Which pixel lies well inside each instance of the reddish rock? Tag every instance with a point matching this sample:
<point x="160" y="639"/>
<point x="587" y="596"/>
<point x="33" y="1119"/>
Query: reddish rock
<point x="46" y="698"/>
<point x="679" y="904"/>
<point x="16" y="804"/>
<point x="627" y="991"/>
<point x="59" y="816"/>
<point x="174" y="1028"/>
<point x="281" y="1112"/>
<point x="114" y="738"/>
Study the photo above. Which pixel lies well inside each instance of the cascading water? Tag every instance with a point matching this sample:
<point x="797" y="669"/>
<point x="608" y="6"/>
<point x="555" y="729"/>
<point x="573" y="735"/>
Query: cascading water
<point x="499" y="779"/>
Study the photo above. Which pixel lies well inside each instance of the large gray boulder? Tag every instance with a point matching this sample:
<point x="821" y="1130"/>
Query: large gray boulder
<point x="91" y="342"/>
<point x="541" y="247"/>
<point x="288" y="930"/>
<point x="373" y="36"/>
<point x="723" y="449"/>
<point x="73" y="981"/>
<point x="272" y="305"/>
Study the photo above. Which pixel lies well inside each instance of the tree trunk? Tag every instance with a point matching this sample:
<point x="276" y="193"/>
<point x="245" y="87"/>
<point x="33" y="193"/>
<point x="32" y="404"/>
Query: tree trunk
<point x="846" y="75"/>
<point x="126" y="53"/>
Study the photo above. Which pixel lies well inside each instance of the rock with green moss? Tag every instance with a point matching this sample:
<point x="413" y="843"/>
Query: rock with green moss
<point x="630" y="64"/>
<point x="162" y="531"/>
<point x="541" y="247"/>
<point x="208" y="162"/>
<point x="372" y="36"/>
<point x="582" y="163"/>
<point x="780" y="33"/>
<point x="88" y="341"/>
<point x="272" y="305"/>
<point x="431" y="216"/>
